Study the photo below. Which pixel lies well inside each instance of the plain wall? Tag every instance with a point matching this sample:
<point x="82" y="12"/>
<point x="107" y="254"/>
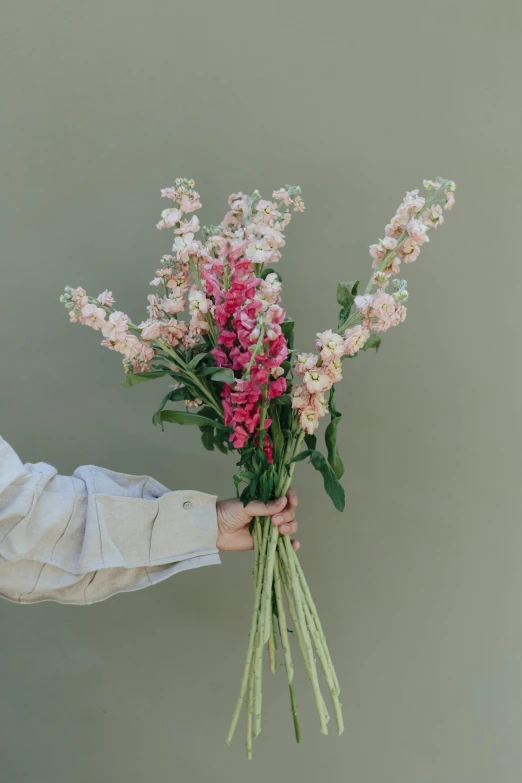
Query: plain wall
<point x="419" y="582"/>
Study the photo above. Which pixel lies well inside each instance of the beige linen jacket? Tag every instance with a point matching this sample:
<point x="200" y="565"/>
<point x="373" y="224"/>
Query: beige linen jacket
<point x="80" y="539"/>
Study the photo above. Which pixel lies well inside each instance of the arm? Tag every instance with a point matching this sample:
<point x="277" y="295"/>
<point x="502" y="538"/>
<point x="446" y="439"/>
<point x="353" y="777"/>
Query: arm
<point x="80" y="539"/>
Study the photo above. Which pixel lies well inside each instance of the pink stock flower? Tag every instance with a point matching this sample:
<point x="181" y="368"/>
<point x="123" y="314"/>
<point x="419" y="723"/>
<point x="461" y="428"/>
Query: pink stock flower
<point x="354" y="339"/>
<point x="188" y="226"/>
<point x="334" y="370"/>
<point x="184" y="246"/>
<point x="154" y="307"/>
<point x="300" y="397"/>
<point x="116" y="327"/>
<point x="92" y="316"/>
<point x="317" y="380"/>
<point x="308" y="420"/>
<point x="305" y="362"/>
<point x="169" y="218"/>
<point x="106" y="298"/>
<point x="172" y="304"/>
<point x="282" y="195"/>
<point x="174" y="331"/>
<point x="151" y="329"/>
<point x="330" y="345"/>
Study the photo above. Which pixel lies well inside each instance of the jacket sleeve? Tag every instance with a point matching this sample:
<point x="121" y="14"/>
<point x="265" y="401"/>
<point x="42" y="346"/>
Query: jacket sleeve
<point x="80" y="539"/>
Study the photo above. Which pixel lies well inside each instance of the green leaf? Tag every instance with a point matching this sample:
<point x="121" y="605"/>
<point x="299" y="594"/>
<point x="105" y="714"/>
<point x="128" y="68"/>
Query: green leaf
<point x="221" y="446"/>
<point x="330" y="437"/>
<point x="183" y="417"/>
<point x="137" y="377"/>
<point x="374" y="341"/>
<point x="346" y="293"/>
<point x="334" y="489"/>
<point x="302" y="455"/>
<point x="264" y="487"/>
<point x="196" y="360"/>
<point x="223" y="375"/>
<point x="276" y="433"/>
<point x="287" y="327"/>
<point x="208" y="370"/>
<point x="207" y="437"/>
<point x="283" y="399"/>
<point x="332" y="486"/>
<point x="311" y="441"/>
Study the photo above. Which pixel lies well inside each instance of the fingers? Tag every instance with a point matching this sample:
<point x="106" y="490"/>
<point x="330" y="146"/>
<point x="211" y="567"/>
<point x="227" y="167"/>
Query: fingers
<point x="296" y="546"/>
<point x="257" y="509"/>
<point x="292" y="497"/>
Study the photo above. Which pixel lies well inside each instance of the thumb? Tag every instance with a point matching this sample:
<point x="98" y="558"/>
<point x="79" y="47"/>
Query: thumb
<point x="257" y="509"/>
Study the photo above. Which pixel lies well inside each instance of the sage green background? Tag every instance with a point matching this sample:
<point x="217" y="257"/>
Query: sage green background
<point x="419" y="582"/>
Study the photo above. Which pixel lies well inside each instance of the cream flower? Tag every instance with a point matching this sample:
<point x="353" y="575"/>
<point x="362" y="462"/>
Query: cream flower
<point x="183" y="246"/>
<point x="169" y="218"/>
<point x="151" y="329"/>
<point x="300" y="397"/>
<point x="198" y="302"/>
<point x="92" y="316"/>
<point x="305" y="361"/>
<point x="354" y="339"/>
<point x="106" y="298"/>
<point x="116" y="327"/>
<point x="317" y="380"/>
<point x="308" y="420"/>
<point x="330" y="344"/>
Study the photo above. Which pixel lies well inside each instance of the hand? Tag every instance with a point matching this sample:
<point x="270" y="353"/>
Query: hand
<point x="234" y="519"/>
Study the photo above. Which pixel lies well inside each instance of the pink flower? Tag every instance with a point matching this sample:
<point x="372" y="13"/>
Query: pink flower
<point x="300" y="397"/>
<point x="172" y="304"/>
<point x="299" y="204"/>
<point x="190" y="202"/>
<point x="317" y="380"/>
<point x="276" y="388"/>
<point x="171" y="193"/>
<point x="258" y="250"/>
<point x="433" y="216"/>
<point x="363" y="303"/>
<point x="151" y="329"/>
<point x="239" y="437"/>
<point x="174" y="331"/>
<point x="330" y="344"/>
<point x="354" y="339"/>
<point x="389" y="243"/>
<point x="305" y="362"/>
<point x="92" y="316"/>
<point x="116" y="327"/>
<point x="188" y="226"/>
<point x="146" y="353"/>
<point x="308" y="420"/>
<point x="154" y="307"/>
<point x="169" y="218"/>
<point x="106" y="298"/>
<point x="282" y="195"/>
<point x="130" y="346"/>
<point x="334" y="370"/>
<point x="184" y="246"/>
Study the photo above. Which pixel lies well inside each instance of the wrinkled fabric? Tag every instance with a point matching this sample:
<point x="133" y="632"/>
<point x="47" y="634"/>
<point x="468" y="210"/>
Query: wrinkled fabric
<point x="80" y="539"/>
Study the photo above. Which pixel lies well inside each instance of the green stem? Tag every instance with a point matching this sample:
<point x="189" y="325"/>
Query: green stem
<point x="250" y="651"/>
<point x="272" y="648"/>
<point x="315" y="615"/>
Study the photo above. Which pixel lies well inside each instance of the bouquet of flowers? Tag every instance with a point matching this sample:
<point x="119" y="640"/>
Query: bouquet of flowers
<point x="233" y="365"/>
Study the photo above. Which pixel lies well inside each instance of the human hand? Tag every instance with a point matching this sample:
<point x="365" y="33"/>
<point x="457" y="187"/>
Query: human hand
<point x="234" y="519"/>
